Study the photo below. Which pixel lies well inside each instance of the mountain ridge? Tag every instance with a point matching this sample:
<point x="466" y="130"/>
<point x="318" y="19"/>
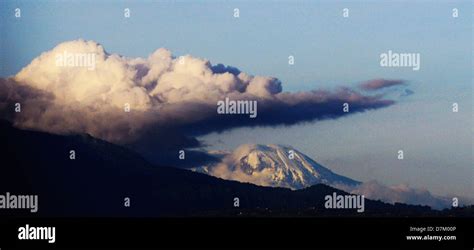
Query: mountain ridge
<point x="96" y="182"/>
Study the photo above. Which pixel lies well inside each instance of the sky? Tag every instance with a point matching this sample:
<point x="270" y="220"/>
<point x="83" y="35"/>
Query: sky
<point x="329" y="51"/>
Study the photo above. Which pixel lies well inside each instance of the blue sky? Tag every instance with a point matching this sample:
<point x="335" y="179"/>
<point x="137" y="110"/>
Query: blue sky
<point x="329" y="51"/>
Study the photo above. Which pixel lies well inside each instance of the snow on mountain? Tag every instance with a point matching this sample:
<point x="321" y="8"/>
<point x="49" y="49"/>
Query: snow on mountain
<point x="275" y="166"/>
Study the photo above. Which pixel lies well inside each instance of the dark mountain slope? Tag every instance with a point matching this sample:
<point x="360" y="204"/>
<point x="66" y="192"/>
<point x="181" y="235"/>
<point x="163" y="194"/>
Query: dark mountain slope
<point x="103" y="174"/>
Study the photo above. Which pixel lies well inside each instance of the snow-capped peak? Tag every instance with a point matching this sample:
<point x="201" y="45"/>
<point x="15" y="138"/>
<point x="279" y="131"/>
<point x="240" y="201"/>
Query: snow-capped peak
<point x="275" y="166"/>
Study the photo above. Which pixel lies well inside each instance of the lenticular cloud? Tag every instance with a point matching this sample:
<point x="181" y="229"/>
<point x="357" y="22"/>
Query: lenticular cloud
<point x="61" y="95"/>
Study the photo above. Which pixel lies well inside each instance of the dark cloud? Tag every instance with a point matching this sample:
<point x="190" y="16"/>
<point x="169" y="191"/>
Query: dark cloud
<point x="221" y="68"/>
<point x="377" y="84"/>
<point x="289" y="109"/>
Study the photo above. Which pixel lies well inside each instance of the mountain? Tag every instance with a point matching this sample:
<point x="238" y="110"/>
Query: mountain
<point x="96" y="182"/>
<point x="284" y="166"/>
<point x="274" y="166"/>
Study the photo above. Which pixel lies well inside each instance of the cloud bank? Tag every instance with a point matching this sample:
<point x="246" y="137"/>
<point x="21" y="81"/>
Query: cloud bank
<point x="171" y="99"/>
<point x="401" y="193"/>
